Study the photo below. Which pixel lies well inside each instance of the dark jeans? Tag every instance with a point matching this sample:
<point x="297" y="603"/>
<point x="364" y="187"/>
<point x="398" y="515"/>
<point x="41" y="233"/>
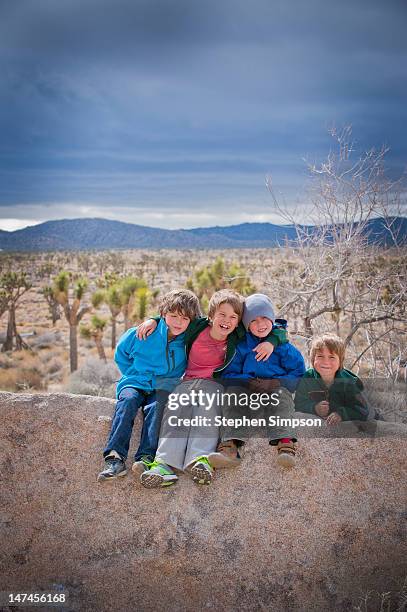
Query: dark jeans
<point x="127" y="406"/>
<point x="283" y="407"/>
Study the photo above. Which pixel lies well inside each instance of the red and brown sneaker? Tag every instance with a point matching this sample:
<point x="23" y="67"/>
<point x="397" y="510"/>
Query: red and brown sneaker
<point x="227" y="455"/>
<point x="286" y="450"/>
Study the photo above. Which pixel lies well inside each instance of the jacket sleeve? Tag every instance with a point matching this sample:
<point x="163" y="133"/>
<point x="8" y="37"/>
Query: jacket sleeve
<point x="124" y="348"/>
<point x="356" y="407"/>
<point x="276" y="337"/>
<point x="303" y="403"/>
<point x="235" y="367"/>
<point x="293" y="363"/>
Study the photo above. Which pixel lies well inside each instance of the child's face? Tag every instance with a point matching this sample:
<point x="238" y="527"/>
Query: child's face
<point x="224" y="321"/>
<point x="326" y="363"/>
<point x="261" y="326"/>
<point x="176" y="322"/>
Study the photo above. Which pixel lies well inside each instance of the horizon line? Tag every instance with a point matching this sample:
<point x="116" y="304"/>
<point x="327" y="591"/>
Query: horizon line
<point x="34" y="224"/>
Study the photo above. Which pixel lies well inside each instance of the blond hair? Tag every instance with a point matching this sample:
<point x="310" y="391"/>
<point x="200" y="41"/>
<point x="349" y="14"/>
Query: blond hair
<point x="182" y="301"/>
<point x="226" y="296"/>
<point x="332" y="342"/>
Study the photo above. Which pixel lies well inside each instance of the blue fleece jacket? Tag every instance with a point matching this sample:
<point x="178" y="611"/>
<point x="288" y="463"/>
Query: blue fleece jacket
<point x="153" y="363"/>
<point x="285" y="363"/>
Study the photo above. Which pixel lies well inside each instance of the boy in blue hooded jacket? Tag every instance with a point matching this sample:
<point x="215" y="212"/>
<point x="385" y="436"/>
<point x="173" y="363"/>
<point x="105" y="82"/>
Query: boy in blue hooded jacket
<point x="146" y="367"/>
<point x="279" y="374"/>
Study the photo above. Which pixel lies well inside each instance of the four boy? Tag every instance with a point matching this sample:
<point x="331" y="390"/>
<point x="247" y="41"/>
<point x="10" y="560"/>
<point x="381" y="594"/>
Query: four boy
<point x="257" y="357"/>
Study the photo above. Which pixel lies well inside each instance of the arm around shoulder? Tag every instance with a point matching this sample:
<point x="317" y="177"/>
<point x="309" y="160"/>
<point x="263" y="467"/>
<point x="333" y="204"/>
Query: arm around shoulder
<point x="277" y="336"/>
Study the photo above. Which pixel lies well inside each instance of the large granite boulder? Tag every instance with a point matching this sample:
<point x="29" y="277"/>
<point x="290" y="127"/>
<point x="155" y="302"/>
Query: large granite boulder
<point x="318" y="537"/>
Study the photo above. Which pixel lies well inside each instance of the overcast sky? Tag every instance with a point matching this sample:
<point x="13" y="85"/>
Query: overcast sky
<point x="170" y="113"/>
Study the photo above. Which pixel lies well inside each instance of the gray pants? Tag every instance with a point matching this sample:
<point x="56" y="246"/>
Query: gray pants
<point x="179" y="447"/>
<point x="283" y="410"/>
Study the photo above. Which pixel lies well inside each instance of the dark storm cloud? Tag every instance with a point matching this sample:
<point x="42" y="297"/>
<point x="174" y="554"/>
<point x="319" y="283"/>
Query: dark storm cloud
<point x="118" y="102"/>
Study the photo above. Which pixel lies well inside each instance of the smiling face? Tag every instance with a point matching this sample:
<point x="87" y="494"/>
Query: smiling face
<point x="326" y="364"/>
<point x="261" y="327"/>
<point x="224" y="321"/>
<point x="176" y="322"/>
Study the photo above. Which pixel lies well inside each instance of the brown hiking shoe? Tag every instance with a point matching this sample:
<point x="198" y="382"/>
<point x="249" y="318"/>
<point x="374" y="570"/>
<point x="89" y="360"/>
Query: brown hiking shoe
<point x="286" y="453"/>
<point x="226" y="455"/>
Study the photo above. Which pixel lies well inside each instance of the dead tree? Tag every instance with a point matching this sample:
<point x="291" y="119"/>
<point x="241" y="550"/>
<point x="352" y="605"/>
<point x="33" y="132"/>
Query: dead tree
<point x="343" y="272"/>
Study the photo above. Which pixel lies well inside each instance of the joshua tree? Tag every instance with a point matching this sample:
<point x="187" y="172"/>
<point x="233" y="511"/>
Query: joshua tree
<point x="53" y="304"/>
<point x="112" y="297"/>
<point x="128" y="289"/>
<point x="143" y="295"/>
<point x="73" y="311"/>
<point x="95" y="331"/>
<point x="109" y="279"/>
<point x="3" y="302"/>
<point x="12" y="287"/>
<point x="212" y="278"/>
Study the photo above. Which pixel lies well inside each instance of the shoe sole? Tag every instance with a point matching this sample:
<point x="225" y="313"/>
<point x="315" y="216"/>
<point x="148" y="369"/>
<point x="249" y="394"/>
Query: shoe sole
<point x="106" y="478"/>
<point x="201" y="476"/>
<point x="286" y="460"/>
<point x="217" y="460"/>
<point x="153" y="481"/>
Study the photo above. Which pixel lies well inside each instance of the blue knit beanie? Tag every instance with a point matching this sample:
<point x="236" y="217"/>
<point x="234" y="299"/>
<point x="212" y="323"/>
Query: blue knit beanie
<point x="257" y="305"/>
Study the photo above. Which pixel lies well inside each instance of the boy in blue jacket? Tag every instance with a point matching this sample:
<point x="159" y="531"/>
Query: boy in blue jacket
<point x="279" y="374"/>
<point x="156" y="363"/>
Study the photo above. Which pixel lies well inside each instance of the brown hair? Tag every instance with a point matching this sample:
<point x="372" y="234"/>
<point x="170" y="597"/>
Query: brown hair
<point x="183" y="301"/>
<point x="333" y="343"/>
<point x="226" y="296"/>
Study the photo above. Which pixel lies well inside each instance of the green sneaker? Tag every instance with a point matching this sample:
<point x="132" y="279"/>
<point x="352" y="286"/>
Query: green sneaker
<point x="141" y="465"/>
<point x="159" y="474"/>
<point x="202" y="471"/>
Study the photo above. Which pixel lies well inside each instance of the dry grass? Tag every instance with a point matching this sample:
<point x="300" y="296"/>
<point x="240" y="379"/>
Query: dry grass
<point x="22" y="379"/>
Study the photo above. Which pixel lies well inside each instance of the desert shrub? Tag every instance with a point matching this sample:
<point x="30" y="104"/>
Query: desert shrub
<point x="46" y="340"/>
<point x="54" y="365"/>
<point x="388" y="398"/>
<point x="8" y="380"/>
<point x="30" y="378"/>
<point x="94" y="378"/>
<point x="55" y="377"/>
<point x="22" y="372"/>
<point x="22" y="379"/>
<point x="25" y="357"/>
<point x="46" y="356"/>
<point x="5" y="361"/>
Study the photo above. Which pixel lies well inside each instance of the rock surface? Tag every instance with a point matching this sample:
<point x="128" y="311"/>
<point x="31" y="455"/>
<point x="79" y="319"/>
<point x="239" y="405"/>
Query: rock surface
<point x="318" y="537"/>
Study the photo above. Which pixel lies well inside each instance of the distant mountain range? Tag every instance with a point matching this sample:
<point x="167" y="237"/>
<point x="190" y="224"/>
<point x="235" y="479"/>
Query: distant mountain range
<point x="99" y="234"/>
